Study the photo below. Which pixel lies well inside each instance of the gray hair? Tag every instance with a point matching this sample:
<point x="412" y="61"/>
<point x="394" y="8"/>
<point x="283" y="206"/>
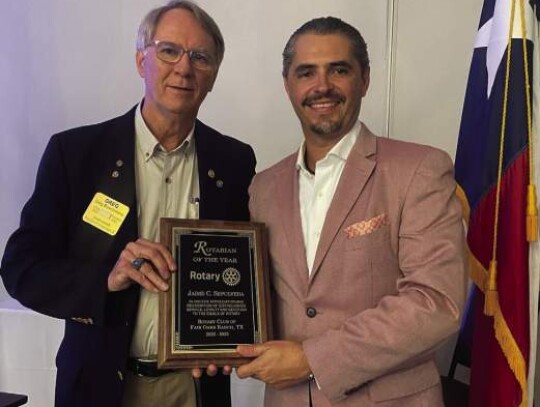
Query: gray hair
<point x="148" y="26"/>
<point x="325" y="26"/>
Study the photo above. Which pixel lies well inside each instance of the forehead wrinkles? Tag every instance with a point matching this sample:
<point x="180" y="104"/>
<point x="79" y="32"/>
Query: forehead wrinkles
<point x="322" y="49"/>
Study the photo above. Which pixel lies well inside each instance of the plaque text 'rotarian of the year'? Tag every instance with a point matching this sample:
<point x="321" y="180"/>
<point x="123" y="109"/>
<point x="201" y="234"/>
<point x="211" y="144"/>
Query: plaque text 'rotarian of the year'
<point x="202" y="247"/>
<point x="209" y="254"/>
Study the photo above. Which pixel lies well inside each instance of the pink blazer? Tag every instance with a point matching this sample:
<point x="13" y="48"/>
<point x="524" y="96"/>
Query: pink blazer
<point x="388" y="283"/>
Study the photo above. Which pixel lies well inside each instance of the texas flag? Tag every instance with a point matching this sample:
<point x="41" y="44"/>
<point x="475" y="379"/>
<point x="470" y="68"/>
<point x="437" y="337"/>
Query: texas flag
<point x="496" y="170"/>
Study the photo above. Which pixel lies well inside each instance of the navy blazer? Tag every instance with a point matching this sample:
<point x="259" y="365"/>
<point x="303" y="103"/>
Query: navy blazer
<point x="58" y="265"/>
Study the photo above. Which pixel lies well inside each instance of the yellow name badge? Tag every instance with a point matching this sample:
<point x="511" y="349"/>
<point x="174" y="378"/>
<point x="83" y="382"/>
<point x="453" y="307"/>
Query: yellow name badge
<point x="105" y="213"/>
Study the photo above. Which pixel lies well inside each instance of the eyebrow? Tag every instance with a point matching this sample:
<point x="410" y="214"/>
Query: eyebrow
<point x="333" y="64"/>
<point x="304" y="67"/>
<point x="345" y="64"/>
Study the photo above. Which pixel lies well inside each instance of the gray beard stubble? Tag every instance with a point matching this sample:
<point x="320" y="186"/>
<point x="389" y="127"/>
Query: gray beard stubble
<point x="327" y="127"/>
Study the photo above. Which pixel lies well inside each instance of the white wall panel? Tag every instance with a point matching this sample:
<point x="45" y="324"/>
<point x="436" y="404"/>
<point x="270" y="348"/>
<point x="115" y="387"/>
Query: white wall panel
<point x="433" y="46"/>
<point x="67" y="63"/>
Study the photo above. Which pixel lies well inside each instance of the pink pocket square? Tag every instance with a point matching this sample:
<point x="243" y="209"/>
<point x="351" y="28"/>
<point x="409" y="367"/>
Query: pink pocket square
<point x="366" y="226"/>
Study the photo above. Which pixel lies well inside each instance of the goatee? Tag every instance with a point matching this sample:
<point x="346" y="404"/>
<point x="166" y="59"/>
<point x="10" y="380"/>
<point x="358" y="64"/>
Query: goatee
<point x="326" y="127"/>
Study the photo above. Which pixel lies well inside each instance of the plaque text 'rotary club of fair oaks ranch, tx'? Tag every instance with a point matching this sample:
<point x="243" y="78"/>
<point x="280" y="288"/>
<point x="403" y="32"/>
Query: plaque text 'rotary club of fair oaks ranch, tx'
<point x="219" y="296"/>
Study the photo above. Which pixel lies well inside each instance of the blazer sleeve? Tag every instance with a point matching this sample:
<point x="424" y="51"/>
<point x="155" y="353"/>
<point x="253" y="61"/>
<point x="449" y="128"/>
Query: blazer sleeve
<point x="37" y="269"/>
<point x="403" y="330"/>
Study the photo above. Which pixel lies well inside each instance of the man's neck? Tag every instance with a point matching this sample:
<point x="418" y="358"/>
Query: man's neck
<point x="170" y="130"/>
<point x="317" y="147"/>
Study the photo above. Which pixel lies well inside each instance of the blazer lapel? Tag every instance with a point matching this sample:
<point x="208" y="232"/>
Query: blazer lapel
<point x="354" y="177"/>
<point x="118" y="177"/>
<point x="209" y="173"/>
<point x="287" y="198"/>
<point x="114" y="177"/>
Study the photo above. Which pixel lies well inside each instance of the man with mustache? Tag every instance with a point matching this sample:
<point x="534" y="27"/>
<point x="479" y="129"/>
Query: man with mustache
<point x="365" y="240"/>
<point x="87" y="250"/>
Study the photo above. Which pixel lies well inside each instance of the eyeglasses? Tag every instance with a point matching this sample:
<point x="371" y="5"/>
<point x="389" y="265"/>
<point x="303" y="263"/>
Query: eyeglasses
<point x="171" y="53"/>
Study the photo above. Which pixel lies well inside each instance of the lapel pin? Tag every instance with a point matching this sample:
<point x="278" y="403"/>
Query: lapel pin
<point x="219" y="183"/>
<point x="211" y="173"/>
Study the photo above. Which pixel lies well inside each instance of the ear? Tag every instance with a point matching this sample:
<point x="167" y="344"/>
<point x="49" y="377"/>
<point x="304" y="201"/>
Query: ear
<point x="286" y="85"/>
<point x="139" y="60"/>
<point x="213" y="81"/>
<point x="365" y="81"/>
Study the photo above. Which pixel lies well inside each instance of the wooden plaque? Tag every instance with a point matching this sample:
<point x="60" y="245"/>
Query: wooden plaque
<point x="219" y="296"/>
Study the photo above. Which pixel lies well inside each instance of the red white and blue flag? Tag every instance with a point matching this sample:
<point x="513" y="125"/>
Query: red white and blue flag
<point x="496" y="173"/>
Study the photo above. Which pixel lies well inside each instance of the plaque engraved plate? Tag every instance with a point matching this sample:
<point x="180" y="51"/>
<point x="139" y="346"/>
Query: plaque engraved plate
<point x="219" y="296"/>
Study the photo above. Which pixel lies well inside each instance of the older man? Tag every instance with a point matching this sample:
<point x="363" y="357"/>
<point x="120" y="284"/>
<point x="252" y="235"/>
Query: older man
<point x="365" y="242"/>
<point x="69" y="260"/>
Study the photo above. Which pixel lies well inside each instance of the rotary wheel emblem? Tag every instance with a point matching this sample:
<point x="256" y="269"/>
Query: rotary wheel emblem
<point x="231" y="276"/>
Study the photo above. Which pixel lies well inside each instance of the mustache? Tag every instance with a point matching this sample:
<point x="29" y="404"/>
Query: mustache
<point x="330" y="94"/>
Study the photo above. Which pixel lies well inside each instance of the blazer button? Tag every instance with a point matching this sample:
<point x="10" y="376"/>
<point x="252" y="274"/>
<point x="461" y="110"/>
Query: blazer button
<point x="311" y="312"/>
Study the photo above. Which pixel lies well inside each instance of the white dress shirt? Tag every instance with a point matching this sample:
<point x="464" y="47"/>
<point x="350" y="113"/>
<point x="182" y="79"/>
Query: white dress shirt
<point x="317" y="190"/>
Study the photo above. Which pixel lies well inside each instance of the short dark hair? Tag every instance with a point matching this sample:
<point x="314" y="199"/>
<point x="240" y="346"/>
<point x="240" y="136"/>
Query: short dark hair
<point x="148" y="26"/>
<point x="325" y="26"/>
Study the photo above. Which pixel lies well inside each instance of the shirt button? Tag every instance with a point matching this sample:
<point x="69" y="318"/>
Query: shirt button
<point x="168" y="180"/>
<point x="311" y="312"/>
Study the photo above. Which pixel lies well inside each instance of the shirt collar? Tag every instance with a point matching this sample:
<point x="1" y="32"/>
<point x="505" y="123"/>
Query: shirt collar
<point x="147" y="142"/>
<point x="341" y="150"/>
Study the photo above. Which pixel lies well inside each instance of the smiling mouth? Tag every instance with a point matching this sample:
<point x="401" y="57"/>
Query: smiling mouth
<point x="324" y="102"/>
<point x="180" y="88"/>
<point x="323" y="105"/>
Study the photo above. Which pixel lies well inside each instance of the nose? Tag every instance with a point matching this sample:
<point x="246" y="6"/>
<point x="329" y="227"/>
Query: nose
<point x="183" y="65"/>
<point x="323" y="83"/>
